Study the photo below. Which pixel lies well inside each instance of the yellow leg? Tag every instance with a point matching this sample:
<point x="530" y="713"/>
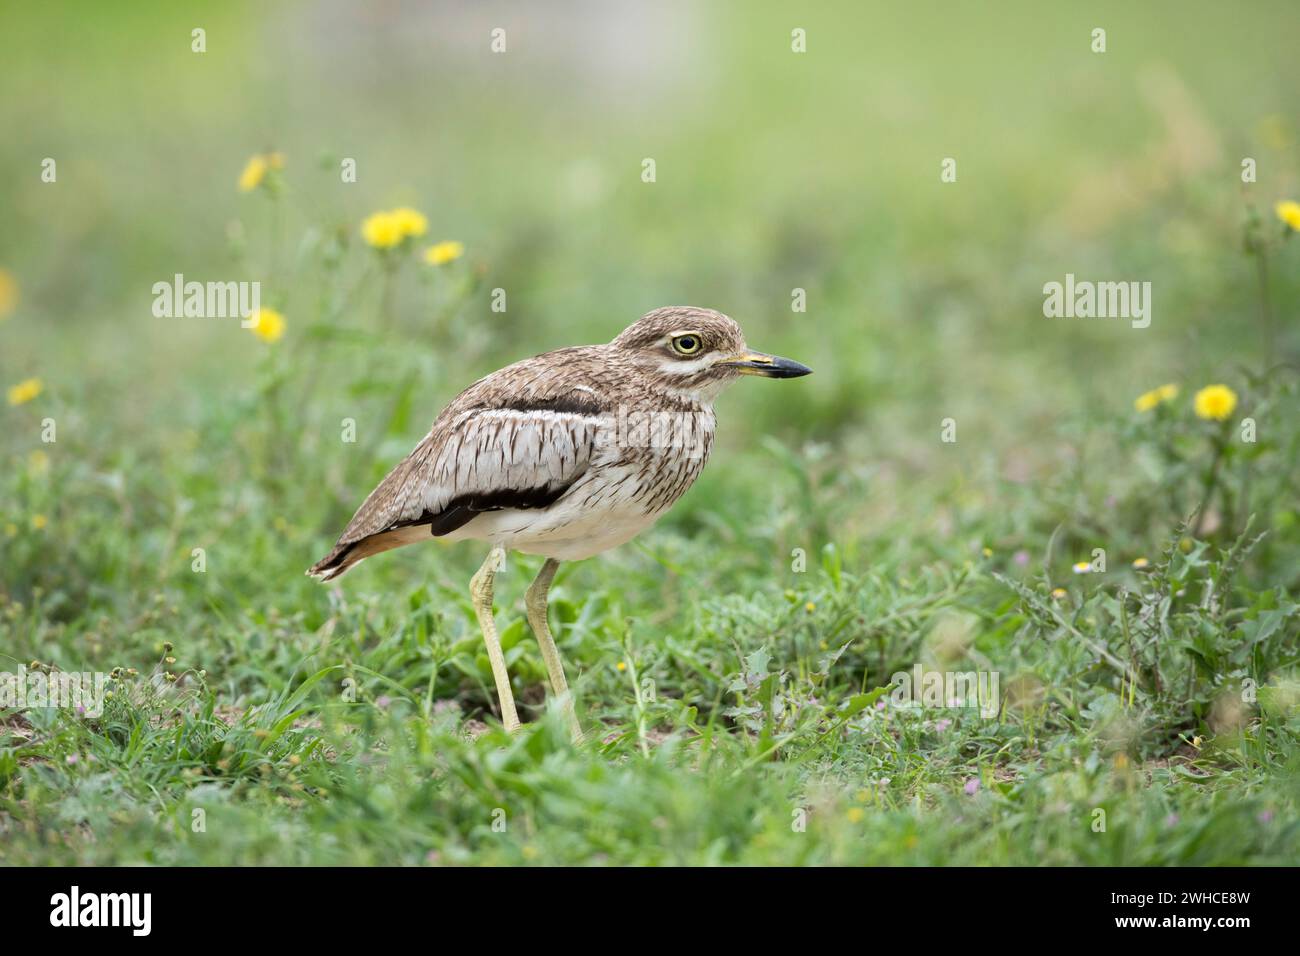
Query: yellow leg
<point x="480" y="589"/>
<point x="535" y="603"/>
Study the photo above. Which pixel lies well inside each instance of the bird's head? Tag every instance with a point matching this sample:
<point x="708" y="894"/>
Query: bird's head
<point x="698" y="350"/>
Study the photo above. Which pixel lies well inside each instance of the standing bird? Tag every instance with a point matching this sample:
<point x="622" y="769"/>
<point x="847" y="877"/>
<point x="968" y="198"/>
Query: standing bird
<point x="564" y="455"/>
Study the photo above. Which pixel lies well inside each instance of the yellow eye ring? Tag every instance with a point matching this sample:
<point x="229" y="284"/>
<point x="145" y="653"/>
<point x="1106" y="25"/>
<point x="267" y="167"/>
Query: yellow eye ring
<point x="687" y="344"/>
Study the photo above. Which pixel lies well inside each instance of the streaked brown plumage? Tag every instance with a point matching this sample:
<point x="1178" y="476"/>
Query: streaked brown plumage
<point x="566" y="454"/>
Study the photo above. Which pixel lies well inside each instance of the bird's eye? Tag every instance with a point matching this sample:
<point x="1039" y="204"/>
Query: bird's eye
<point x="686" y="344"/>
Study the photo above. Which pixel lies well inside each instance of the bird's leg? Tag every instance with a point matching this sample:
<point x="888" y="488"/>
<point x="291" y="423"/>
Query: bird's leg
<point x="480" y="589"/>
<point x="535" y="603"/>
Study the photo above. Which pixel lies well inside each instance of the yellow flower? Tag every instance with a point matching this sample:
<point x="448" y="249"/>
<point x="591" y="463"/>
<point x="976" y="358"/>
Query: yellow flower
<point x="25" y="391"/>
<point x="1216" y="402"/>
<point x="256" y="168"/>
<point x="410" y="222"/>
<point x="1149" y="400"/>
<point x="268" y="325"/>
<point x="987" y="552"/>
<point x="1289" y="212"/>
<point x="8" y="293"/>
<point x="1059" y="593"/>
<point x="253" y="174"/>
<point x="1081" y="567"/>
<point x="810" y="607"/>
<point x="441" y="253"/>
<point x="621" y="666"/>
<point x="39" y="522"/>
<point x="1140" y="563"/>
<point x="382" y="230"/>
<point x="856" y="814"/>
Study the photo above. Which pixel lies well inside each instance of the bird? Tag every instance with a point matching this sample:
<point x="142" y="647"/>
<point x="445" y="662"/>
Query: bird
<point x="564" y="455"/>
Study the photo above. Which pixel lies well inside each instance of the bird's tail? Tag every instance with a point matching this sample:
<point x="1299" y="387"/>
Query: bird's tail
<point x="347" y="554"/>
<point x="333" y="564"/>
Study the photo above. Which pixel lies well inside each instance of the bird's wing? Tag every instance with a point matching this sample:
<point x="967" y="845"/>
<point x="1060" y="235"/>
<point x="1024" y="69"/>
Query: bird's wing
<point x="511" y="440"/>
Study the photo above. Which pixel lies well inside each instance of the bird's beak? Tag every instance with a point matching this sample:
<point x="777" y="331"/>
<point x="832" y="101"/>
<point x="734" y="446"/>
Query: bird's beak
<point x="769" y="366"/>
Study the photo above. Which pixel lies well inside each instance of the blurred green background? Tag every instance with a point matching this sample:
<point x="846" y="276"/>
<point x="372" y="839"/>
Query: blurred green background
<point x="775" y="170"/>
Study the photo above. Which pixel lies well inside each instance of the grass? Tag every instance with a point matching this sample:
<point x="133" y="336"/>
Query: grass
<point x="736" y="714"/>
<point x="735" y="666"/>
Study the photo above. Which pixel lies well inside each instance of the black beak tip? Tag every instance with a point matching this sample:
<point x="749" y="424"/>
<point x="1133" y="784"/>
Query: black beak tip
<point x="789" y="368"/>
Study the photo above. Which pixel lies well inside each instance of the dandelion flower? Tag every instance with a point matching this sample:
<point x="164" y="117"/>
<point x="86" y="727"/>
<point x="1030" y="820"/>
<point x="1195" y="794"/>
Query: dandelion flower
<point x="1216" y="402"/>
<point x="1149" y="400"/>
<point x="439" y="254"/>
<point x="25" y="391"/>
<point x="810" y="607"/>
<point x="253" y="174"/>
<point x="39" y="522"/>
<point x="856" y="814"/>
<point x="621" y="666"/>
<point x="8" y="294"/>
<point x="268" y="325"/>
<point x="256" y="168"/>
<point x="1289" y="212"/>
<point x="410" y="222"/>
<point x="383" y="230"/>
